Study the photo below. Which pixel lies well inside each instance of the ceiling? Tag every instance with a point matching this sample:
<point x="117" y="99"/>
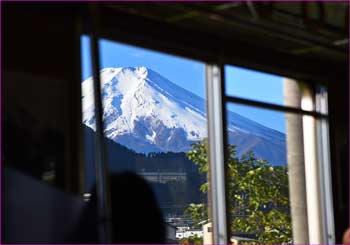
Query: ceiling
<point x="305" y="29"/>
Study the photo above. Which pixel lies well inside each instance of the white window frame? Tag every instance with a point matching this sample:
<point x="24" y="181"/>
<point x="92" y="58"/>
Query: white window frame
<point x="316" y="157"/>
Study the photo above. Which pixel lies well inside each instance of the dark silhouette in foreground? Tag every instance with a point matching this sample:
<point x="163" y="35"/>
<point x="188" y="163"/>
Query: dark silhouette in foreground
<point x="136" y="217"/>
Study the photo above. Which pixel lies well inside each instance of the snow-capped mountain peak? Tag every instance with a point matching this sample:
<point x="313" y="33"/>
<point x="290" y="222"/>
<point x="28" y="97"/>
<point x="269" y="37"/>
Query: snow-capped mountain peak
<point x="148" y="113"/>
<point x="141" y="72"/>
<point x="139" y="103"/>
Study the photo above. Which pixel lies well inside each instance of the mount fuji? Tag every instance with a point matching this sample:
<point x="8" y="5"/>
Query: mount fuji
<point x="146" y="112"/>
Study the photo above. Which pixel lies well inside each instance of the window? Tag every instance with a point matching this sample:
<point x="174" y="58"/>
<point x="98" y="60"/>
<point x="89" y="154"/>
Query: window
<point x="257" y="182"/>
<point x="154" y="117"/>
<point x="259" y="151"/>
<point x="274" y="169"/>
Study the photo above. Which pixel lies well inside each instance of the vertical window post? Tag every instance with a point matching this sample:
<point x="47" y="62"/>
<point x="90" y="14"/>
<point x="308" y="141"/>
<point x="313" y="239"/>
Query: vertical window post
<point x="325" y="168"/>
<point x="216" y="153"/>
<point x="103" y="207"/>
<point x="312" y="168"/>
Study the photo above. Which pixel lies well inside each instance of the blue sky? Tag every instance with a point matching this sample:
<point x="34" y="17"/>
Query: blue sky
<point x="186" y="73"/>
<point x="190" y="75"/>
<point x="254" y="85"/>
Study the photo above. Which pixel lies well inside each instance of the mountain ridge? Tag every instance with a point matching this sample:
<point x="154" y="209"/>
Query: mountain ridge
<point x="148" y="113"/>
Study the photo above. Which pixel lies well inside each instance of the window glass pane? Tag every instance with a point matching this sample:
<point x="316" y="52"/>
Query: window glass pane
<point x="258" y="185"/>
<point x="154" y="111"/>
<point x="255" y="85"/>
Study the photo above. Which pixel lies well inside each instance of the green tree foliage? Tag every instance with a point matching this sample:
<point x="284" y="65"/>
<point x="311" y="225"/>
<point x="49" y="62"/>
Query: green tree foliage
<point x="257" y="192"/>
<point x="198" y="213"/>
<point x="191" y="240"/>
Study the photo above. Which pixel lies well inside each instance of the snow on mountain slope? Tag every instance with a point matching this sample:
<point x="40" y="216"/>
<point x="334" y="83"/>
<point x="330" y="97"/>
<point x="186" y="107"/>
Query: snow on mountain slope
<point x="148" y="113"/>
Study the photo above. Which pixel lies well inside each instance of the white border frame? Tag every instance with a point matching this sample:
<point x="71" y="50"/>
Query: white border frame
<point x="216" y="153"/>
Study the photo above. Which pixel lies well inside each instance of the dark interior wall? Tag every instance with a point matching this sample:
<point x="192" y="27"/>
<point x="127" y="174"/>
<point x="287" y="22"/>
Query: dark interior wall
<point x="41" y="215"/>
<point x="339" y="143"/>
<point x="41" y="90"/>
<point x="41" y="87"/>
